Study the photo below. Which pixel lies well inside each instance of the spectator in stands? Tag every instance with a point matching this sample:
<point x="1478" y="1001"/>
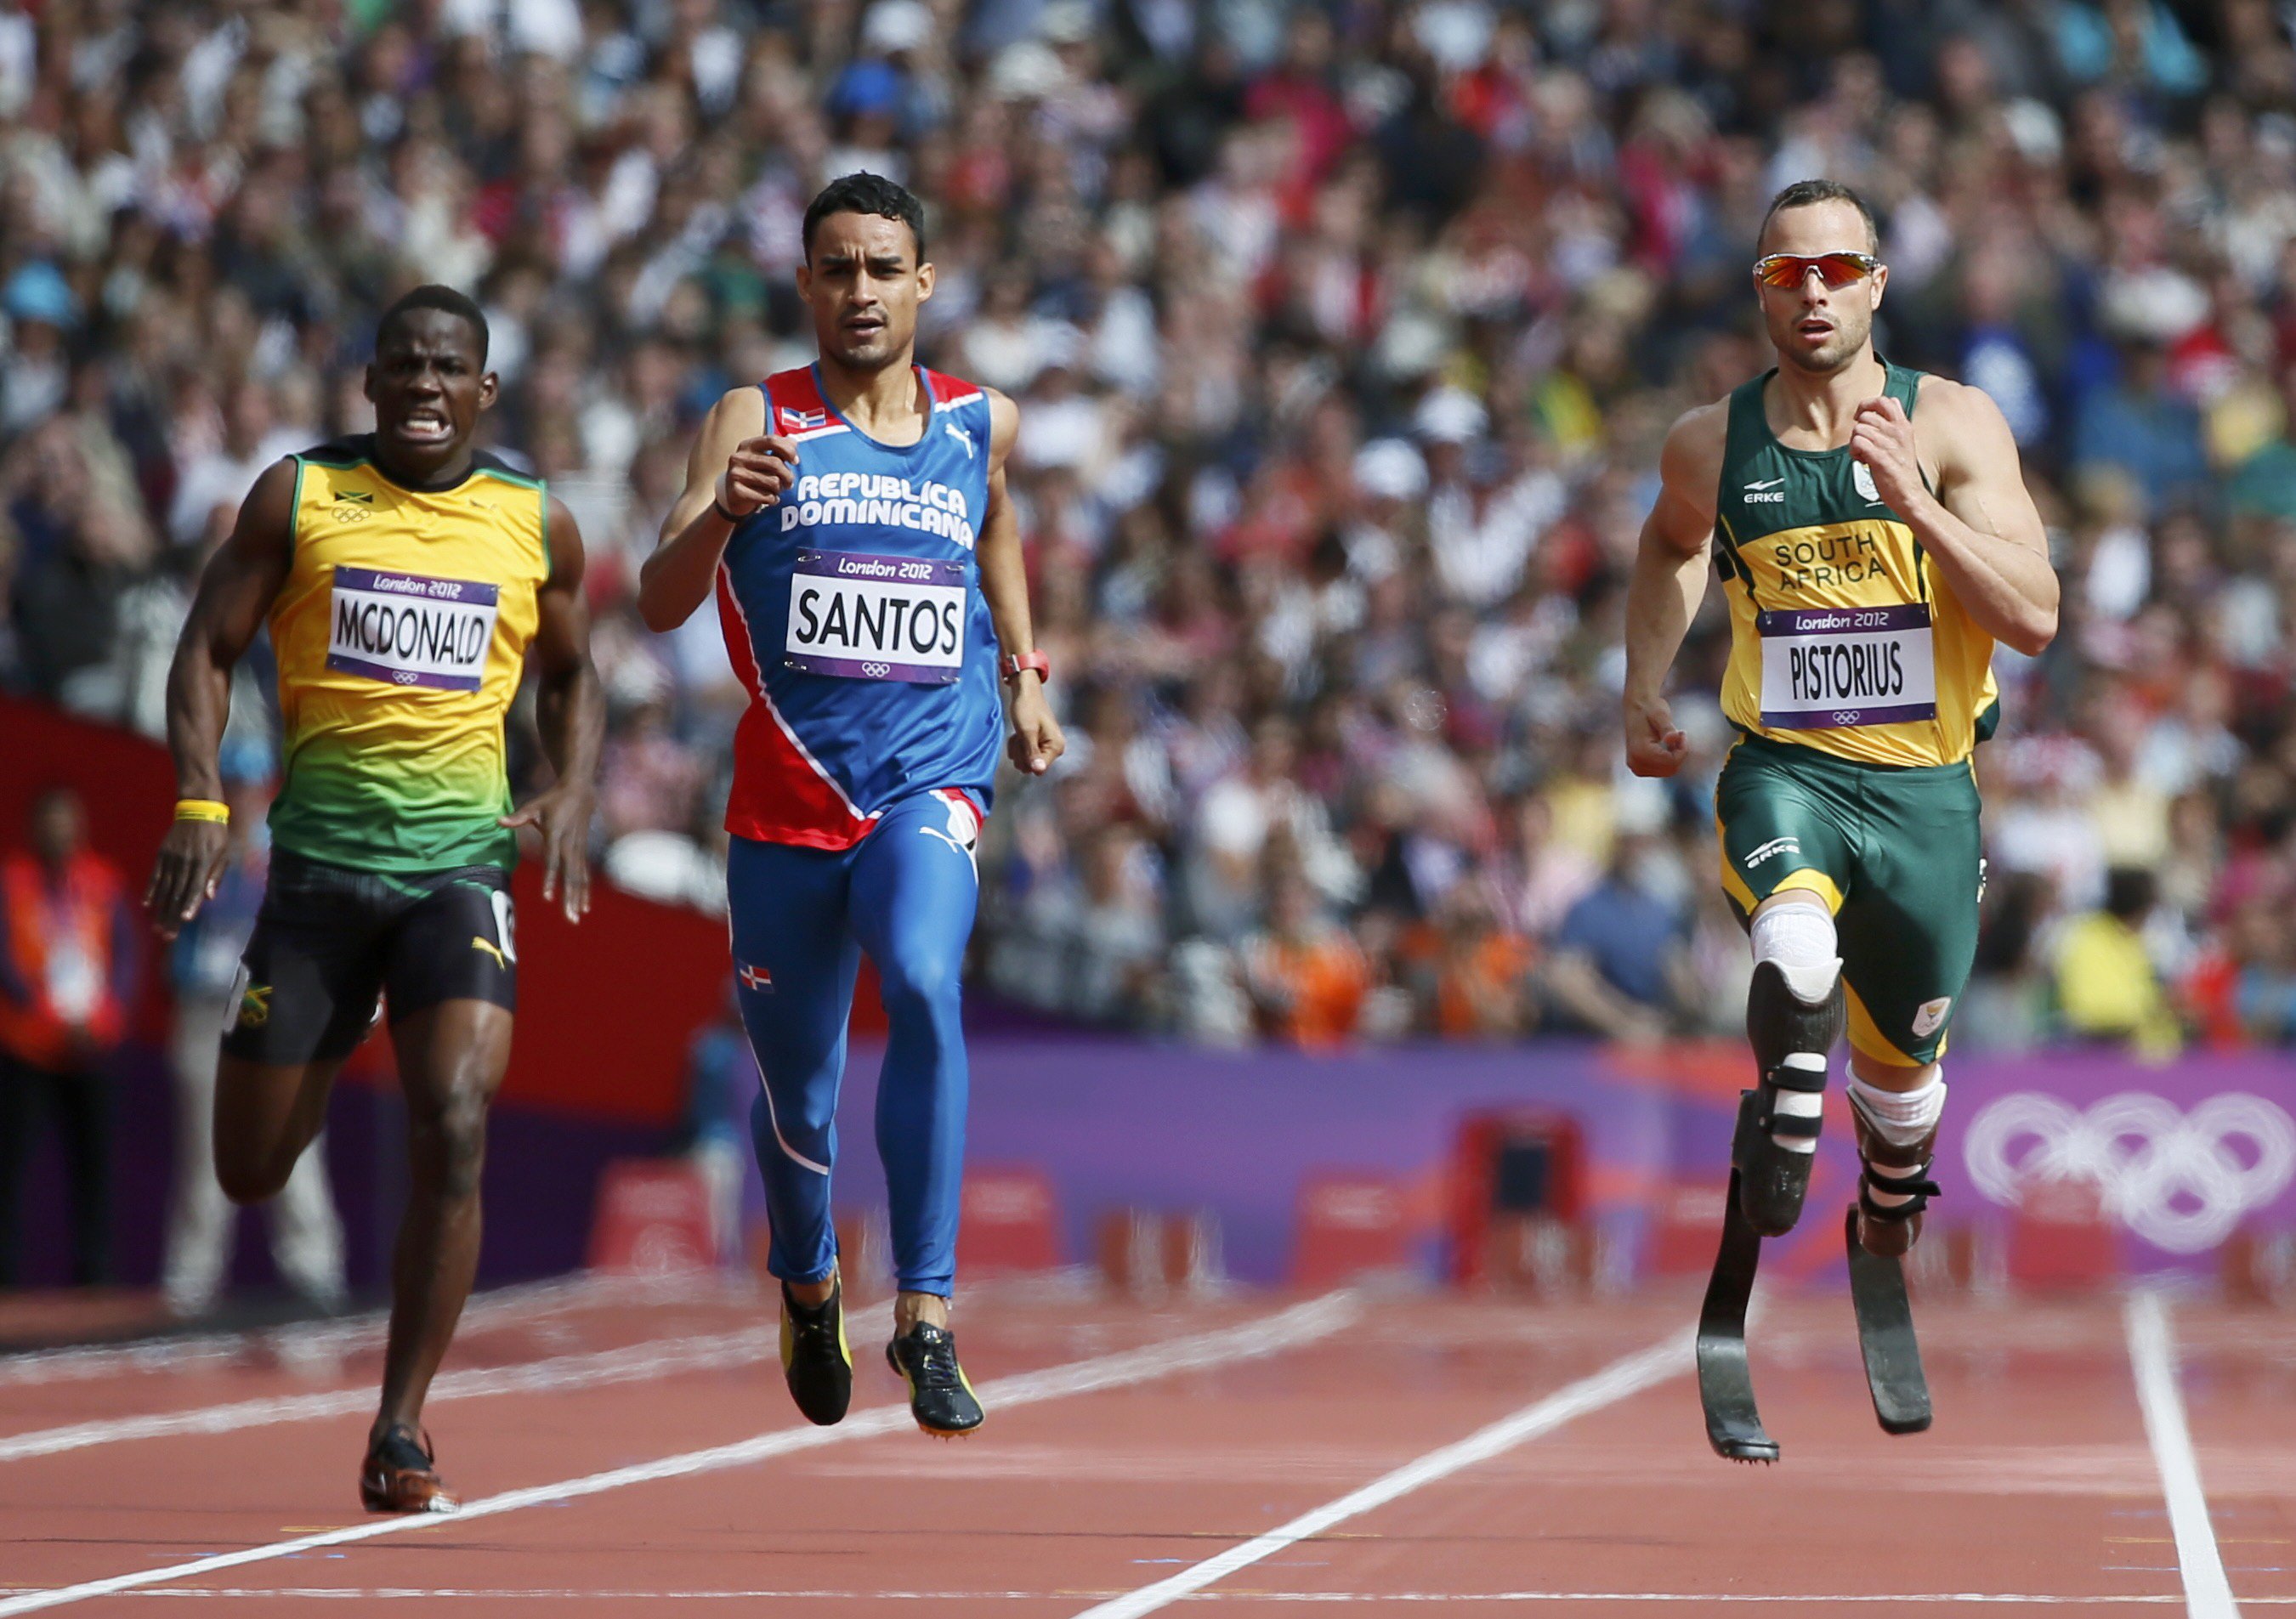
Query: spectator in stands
<point x="1484" y="987"/>
<point x="1621" y="966"/>
<point x="219" y="477"/>
<point x="2108" y="988"/>
<point x="307" y="1235"/>
<point x="1305" y="975"/>
<point x="69" y="957"/>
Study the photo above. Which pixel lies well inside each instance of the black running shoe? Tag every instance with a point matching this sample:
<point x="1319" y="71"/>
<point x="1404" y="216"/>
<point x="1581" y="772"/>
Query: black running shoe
<point x="815" y="1358"/>
<point x="939" y="1398"/>
<point x="400" y="1476"/>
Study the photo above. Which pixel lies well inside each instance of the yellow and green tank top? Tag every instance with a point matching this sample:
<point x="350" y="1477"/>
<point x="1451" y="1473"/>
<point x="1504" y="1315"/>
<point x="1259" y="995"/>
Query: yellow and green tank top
<point x="1843" y="636"/>
<point x="401" y="635"/>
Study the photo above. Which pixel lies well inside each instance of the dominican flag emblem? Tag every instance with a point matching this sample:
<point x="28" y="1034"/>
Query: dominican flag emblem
<point x="803" y="421"/>
<point x="756" y="978"/>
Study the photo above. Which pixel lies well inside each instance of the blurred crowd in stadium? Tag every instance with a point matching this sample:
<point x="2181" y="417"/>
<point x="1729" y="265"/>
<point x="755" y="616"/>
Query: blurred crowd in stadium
<point x="1345" y="336"/>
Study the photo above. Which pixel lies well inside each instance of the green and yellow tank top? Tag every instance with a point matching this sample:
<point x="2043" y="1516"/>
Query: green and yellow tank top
<point x="401" y="633"/>
<point x="1843" y="636"/>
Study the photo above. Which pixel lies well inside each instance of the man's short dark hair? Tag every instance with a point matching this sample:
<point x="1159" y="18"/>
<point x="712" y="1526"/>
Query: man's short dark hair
<point x="866" y="193"/>
<point x="1802" y="194"/>
<point x="447" y="301"/>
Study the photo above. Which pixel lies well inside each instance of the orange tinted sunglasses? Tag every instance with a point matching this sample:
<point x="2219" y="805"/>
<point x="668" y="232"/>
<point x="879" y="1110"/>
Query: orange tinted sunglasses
<point x="1788" y="270"/>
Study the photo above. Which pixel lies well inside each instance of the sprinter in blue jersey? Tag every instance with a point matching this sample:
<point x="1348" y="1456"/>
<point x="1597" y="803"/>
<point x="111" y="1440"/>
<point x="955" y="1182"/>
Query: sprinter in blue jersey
<point x="851" y="520"/>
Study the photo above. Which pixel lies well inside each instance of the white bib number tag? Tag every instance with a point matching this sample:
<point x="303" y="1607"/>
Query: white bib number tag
<point x="409" y="630"/>
<point x="871" y="618"/>
<point x="1830" y="666"/>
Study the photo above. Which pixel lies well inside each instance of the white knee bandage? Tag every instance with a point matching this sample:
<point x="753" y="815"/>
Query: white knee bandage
<point x="1800" y="939"/>
<point x="1901" y="1117"/>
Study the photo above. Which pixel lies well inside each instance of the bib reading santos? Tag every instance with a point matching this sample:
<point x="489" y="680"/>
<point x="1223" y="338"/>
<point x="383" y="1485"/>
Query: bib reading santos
<point x="401" y="632"/>
<point x="853" y="611"/>
<point x="1843" y="635"/>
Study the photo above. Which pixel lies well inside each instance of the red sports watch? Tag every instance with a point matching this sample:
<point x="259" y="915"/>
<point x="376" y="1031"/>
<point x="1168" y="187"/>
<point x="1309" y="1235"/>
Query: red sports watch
<point x="1011" y="667"/>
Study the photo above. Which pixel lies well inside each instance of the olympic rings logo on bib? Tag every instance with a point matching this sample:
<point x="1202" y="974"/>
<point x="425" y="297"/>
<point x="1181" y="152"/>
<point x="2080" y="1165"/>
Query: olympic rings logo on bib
<point x="2181" y="1182"/>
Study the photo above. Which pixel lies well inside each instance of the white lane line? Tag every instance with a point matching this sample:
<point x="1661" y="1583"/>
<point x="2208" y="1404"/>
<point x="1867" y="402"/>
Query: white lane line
<point x="318" y="1341"/>
<point x="663" y="1357"/>
<point x="1300" y="1324"/>
<point x="2152" y="1356"/>
<point x="1613" y="1382"/>
<point x="401" y="1593"/>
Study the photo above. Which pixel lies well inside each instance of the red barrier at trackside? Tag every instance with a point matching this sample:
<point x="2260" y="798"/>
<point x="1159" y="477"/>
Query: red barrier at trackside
<point x="652" y="1220"/>
<point x="1349" y="1225"/>
<point x="1010" y="1222"/>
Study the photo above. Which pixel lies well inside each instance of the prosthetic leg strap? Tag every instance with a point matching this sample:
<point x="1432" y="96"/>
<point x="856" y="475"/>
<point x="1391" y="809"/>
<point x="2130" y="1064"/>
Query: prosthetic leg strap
<point x="1911" y="1183"/>
<point x="1803" y="1071"/>
<point x="1885" y="1337"/>
<point x="1799" y="1074"/>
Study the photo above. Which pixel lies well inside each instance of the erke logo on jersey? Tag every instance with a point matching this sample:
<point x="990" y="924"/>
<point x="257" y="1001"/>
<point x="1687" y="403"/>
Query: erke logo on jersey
<point x="1765" y="493"/>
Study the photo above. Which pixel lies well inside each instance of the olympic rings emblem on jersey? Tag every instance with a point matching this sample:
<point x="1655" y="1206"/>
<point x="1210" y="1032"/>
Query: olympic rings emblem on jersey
<point x="2182" y="1181"/>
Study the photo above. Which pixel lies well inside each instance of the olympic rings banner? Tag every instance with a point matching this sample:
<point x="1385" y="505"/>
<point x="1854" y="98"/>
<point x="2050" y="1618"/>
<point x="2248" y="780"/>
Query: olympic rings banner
<point x="2182" y="1156"/>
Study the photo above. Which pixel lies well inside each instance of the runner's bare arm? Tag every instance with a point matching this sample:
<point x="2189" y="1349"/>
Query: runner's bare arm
<point x="1980" y="525"/>
<point x="235" y="591"/>
<point x="735" y="462"/>
<point x="1668" y="583"/>
<point x="1037" y="740"/>
<point x="571" y="712"/>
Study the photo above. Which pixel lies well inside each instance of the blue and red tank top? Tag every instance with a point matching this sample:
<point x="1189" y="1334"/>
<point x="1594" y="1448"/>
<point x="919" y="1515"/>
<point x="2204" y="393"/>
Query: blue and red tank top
<point x="854" y="614"/>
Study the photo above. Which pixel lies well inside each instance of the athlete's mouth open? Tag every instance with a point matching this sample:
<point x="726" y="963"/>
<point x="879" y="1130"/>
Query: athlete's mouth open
<point x="864" y="325"/>
<point x="426" y="424"/>
<point x="1815" y="330"/>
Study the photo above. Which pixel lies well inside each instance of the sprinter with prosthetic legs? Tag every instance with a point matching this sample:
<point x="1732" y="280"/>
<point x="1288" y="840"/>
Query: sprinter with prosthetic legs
<point x="1869" y="564"/>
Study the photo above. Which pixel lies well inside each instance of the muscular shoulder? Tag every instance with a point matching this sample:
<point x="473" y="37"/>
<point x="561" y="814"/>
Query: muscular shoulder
<point x="1690" y="464"/>
<point x="1003" y="425"/>
<point x="1954" y="423"/>
<point x="739" y="411"/>
<point x="269" y="508"/>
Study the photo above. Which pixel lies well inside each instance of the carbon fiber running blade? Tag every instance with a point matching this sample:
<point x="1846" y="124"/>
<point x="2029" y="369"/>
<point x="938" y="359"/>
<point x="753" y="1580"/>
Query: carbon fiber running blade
<point x="1885" y="1334"/>
<point x="1726" y="1384"/>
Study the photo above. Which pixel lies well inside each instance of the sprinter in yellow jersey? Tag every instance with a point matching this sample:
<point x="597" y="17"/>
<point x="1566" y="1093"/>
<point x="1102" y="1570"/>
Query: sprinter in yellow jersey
<point x="1874" y="539"/>
<point x="408" y="579"/>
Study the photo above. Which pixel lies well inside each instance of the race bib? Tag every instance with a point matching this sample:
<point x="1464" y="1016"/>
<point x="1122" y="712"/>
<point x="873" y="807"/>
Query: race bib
<point x="871" y="618"/>
<point x="1828" y="667"/>
<point x="410" y="630"/>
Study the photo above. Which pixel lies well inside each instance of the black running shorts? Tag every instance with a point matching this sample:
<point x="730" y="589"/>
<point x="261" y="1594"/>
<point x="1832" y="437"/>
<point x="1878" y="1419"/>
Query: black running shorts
<point x="328" y="941"/>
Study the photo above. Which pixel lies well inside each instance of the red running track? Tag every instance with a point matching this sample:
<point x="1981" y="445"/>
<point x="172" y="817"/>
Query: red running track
<point x="631" y="1452"/>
